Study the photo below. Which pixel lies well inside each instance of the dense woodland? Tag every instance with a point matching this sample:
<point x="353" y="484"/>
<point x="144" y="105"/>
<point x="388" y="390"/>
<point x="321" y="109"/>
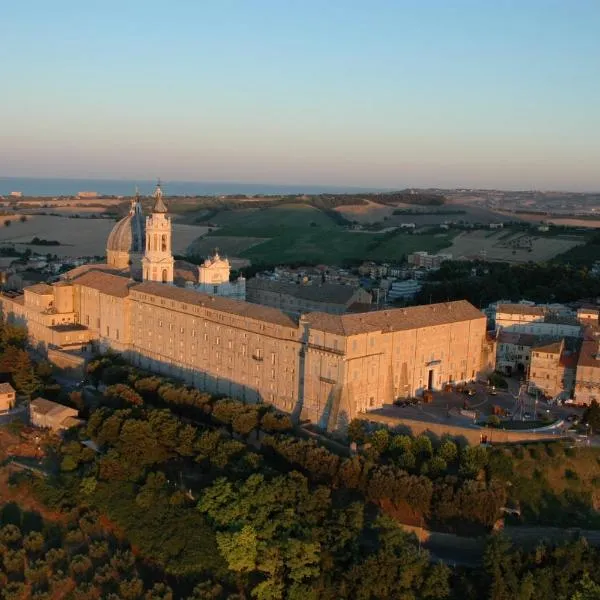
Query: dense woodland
<point x="483" y="283"/>
<point x="191" y="496"/>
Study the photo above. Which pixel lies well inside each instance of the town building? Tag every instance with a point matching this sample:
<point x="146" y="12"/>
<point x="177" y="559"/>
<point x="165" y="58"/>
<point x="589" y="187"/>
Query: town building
<point x="52" y="415"/>
<point x="404" y="290"/>
<point x="552" y="371"/>
<point x="425" y="260"/>
<point x="315" y="365"/>
<point x="536" y="320"/>
<point x="296" y="298"/>
<point x="587" y="379"/>
<point x="7" y="397"/>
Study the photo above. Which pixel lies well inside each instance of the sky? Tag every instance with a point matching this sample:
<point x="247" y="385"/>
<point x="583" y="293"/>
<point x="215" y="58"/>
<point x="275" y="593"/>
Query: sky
<point x="369" y="93"/>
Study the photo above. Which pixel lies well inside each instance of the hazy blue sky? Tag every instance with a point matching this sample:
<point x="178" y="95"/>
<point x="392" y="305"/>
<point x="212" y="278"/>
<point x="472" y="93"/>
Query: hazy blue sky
<point x="379" y="93"/>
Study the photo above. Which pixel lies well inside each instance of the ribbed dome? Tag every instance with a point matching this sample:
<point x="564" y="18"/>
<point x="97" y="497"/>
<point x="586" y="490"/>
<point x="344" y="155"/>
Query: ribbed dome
<point x="128" y="234"/>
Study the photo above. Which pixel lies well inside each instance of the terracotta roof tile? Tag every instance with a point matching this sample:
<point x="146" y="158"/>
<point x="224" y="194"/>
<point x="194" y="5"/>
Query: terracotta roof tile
<point x="521" y="309"/>
<point x="6" y="388"/>
<point x="552" y="348"/>
<point x="111" y="285"/>
<point x="397" y="319"/>
<point x="327" y="293"/>
<point x="587" y="355"/>
<point x="40" y="288"/>
<point x="227" y="305"/>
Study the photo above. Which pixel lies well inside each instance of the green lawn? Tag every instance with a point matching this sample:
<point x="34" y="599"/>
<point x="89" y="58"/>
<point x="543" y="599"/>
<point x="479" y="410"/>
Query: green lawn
<point x="297" y="233"/>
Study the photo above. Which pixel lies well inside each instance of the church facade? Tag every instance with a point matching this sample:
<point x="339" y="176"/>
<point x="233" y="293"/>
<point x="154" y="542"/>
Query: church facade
<point x="318" y="366"/>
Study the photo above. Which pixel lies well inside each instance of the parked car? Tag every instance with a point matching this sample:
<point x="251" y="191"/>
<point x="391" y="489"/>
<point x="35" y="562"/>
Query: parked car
<point x="470" y="392"/>
<point x="492" y="391"/>
<point x="401" y="402"/>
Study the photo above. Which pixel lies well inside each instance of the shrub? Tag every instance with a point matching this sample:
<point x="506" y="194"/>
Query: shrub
<point x="497" y="380"/>
<point x="571" y="475"/>
<point x="518" y="452"/>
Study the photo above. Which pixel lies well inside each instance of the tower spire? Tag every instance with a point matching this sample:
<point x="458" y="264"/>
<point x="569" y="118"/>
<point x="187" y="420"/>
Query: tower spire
<point x="159" y="203"/>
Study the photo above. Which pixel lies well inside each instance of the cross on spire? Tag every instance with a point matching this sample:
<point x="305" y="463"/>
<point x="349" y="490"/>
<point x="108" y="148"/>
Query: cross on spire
<point x="159" y="205"/>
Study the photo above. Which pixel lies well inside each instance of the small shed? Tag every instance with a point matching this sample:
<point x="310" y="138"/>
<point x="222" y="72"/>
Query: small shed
<point x="7" y="397"/>
<point x="52" y="415"/>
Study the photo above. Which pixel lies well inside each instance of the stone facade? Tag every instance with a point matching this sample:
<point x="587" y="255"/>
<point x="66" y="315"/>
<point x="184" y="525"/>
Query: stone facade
<point x="587" y="380"/>
<point x="158" y="263"/>
<point x="322" y="367"/>
<point x="213" y="278"/>
<point x="314" y="365"/>
<point x="552" y="371"/>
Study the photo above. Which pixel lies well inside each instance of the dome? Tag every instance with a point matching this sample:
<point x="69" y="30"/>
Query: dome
<point x="128" y="234"/>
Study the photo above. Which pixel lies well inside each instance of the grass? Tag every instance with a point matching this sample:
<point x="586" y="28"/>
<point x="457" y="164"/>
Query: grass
<point x="227" y="245"/>
<point x="297" y="233"/>
<point x="279" y="217"/>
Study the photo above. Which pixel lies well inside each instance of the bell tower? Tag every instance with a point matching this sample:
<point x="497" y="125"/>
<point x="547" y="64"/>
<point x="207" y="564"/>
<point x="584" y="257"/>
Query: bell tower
<point x="158" y="259"/>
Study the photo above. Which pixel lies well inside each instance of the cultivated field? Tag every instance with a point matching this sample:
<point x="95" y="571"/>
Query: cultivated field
<point x="277" y="217"/>
<point x="80" y="237"/>
<point x="371" y="212"/>
<point x="227" y="245"/>
<point x="510" y="247"/>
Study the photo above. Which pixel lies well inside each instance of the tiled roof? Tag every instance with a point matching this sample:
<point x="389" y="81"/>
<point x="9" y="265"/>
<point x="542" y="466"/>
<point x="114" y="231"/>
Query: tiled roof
<point x="43" y="407"/>
<point x="397" y="319"/>
<point x="587" y="355"/>
<point x="227" y="305"/>
<point x="111" y="285"/>
<point x="569" y="360"/>
<point x="328" y="293"/>
<point x="6" y="388"/>
<point x="552" y="348"/>
<point x="82" y="269"/>
<point x="520" y="309"/>
<point x="40" y="288"/>
<point x="508" y="337"/>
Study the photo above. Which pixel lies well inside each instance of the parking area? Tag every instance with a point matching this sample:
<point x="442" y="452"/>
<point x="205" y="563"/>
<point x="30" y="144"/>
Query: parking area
<point x="458" y="407"/>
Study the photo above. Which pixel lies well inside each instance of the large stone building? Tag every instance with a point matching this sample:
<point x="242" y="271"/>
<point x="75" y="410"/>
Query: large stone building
<point x="318" y="366"/>
<point x="297" y="298"/>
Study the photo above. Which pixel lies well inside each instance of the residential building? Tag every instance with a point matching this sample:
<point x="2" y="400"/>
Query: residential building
<point x="587" y="379"/>
<point x="7" y="397"/>
<point x="535" y="320"/>
<point x="428" y="261"/>
<point x="52" y="415"/>
<point x="552" y="370"/>
<point x="404" y="290"/>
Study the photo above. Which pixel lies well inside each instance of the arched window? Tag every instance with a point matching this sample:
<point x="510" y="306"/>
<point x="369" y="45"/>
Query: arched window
<point x="156" y="241"/>
<point x="164" y="276"/>
<point x="164" y="242"/>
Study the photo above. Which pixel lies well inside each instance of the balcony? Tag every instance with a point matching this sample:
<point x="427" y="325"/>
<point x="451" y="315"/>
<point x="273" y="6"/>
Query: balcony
<point x="337" y="351"/>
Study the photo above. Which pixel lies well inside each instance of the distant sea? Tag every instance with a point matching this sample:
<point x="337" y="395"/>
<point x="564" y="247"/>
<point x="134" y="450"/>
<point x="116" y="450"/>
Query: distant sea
<point x="123" y="187"/>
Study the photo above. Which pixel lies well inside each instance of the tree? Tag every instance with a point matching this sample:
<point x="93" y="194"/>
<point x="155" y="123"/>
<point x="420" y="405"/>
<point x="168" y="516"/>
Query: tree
<point x="591" y="416"/>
